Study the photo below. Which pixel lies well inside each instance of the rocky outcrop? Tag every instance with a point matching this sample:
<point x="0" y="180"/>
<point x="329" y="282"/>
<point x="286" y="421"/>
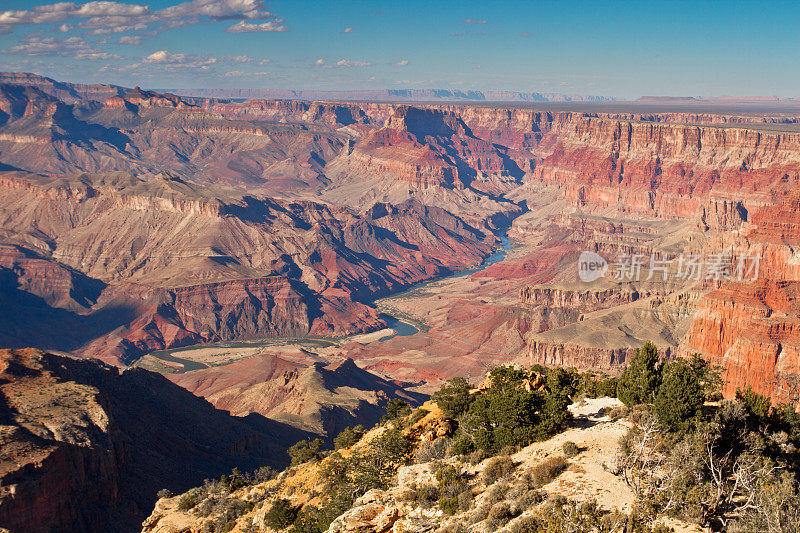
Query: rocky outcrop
<point x="585" y="300"/>
<point x="378" y="510"/>
<point x="610" y="360"/>
<point x="136" y="98"/>
<point x="429" y="148"/>
<point x="319" y="398"/>
<point x="78" y="436"/>
<point x="721" y="214"/>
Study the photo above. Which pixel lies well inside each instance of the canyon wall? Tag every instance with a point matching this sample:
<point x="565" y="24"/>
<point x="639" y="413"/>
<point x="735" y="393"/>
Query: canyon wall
<point x="79" y="437"/>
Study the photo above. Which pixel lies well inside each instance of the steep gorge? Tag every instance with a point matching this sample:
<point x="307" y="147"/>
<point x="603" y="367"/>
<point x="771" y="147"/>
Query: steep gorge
<point x="357" y="182"/>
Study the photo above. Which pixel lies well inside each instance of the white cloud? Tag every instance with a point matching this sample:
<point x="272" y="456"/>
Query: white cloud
<point x="64" y="28"/>
<point x="114" y="17"/>
<point x="96" y="56"/>
<point x="402" y="63"/>
<point x="349" y="63"/>
<point x="68" y="10"/>
<point x="117" y="29"/>
<point x="130" y="39"/>
<point x="218" y="10"/>
<point x="124" y="68"/>
<point x="341" y="63"/>
<point x="245" y="27"/>
<point x="240" y="74"/>
<point x="37" y="45"/>
<point x="474" y="21"/>
<point x="245" y="60"/>
<point x="168" y="60"/>
<point x="348" y="30"/>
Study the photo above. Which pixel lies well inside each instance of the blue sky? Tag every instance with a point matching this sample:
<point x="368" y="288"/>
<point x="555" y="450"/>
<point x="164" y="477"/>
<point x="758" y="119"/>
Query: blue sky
<point x="621" y="49"/>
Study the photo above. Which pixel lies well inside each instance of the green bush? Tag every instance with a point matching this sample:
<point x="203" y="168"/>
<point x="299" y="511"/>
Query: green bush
<point x="189" y="500"/>
<point x="756" y="405"/>
<point x="680" y="396"/>
<point x="375" y="465"/>
<point x="463" y="445"/>
<point x="395" y="409"/>
<point x="233" y="481"/>
<point x="348" y="436"/>
<point x="561" y="381"/>
<point x="281" y="515"/>
<point x="417" y="414"/>
<point x="570" y="449"/>
<point x="505" y="415"/>
<point x="454" y="398"/>
<point x="640" y="380"/>
<point x="305" y="451"/>
<point x="449" y="505"/>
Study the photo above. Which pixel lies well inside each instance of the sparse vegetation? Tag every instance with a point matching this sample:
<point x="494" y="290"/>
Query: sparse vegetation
<point x="348" y="437"/>
<point x="546" y="471"/>
<point x="732" y="468"/>
<point x="368" y="467"/>
<point x="453" y="489"/>
<point x="570" y="449"/>
<point x="305" y="451"/>
<point x="497" y="468"/>
<point x="510" y="412"/>
<point x="189" y="500"/>
<point x="395" y="409"/>
<point x="281" y="515"/>
<point x="417" y="414"/>
<point x="436" y="449"/>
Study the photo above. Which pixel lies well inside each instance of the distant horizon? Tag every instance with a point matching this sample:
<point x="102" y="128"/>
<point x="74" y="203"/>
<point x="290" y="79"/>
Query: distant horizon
<point x="598" y="99"/>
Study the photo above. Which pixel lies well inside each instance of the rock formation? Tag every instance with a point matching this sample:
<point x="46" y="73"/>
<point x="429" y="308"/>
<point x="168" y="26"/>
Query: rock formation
<point x="319" y="398"/>
<point x="86" y="448"/>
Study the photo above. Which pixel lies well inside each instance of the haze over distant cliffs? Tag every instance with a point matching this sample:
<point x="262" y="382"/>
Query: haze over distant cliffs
<point x="393" y="95"/>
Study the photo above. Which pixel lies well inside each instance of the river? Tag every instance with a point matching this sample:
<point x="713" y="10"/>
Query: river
<point x="405" y="329"/>
<point x="402" y="327"/>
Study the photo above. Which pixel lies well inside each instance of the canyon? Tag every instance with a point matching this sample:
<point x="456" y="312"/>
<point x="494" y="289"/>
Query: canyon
<point x="265" y="254"/>
<point x="313" y="209"/>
